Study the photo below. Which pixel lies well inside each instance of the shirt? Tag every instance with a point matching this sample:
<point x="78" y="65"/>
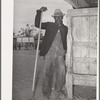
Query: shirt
<point x="57" y="46"/>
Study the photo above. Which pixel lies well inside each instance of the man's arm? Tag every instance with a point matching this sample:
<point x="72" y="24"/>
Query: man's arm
<point x="38" y="18"/>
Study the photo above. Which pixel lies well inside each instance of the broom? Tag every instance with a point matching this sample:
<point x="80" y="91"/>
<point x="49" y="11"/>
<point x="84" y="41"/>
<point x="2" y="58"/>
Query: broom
<point x="37" y="50"/>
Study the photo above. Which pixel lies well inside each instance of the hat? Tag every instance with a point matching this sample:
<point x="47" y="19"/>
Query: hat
<point x="58" y="13"/>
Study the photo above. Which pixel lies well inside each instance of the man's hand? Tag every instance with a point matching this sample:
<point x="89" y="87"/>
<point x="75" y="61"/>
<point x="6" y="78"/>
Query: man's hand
<point x="43" y="9"/>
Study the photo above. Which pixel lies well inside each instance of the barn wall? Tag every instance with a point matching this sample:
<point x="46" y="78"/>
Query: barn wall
<point x="81" y="57"/>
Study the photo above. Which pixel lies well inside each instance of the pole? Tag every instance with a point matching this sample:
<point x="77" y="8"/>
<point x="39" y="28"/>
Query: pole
<point x="33" y="86"/>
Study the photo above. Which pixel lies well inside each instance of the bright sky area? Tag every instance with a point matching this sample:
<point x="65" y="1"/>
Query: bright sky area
<point x="25" y="11"/>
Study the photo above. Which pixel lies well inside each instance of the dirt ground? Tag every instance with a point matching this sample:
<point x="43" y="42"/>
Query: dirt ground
<point x="23" y="67"/>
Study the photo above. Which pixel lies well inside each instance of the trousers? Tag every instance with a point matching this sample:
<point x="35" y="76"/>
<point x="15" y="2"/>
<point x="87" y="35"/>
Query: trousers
<point x="54" y="73"/>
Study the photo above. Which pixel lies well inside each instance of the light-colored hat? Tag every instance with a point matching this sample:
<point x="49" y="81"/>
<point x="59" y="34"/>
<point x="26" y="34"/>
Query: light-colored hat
<point x="58" y="12"/>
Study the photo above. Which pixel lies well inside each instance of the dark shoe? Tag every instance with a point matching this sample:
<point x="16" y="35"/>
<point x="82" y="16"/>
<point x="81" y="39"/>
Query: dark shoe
<point x="54" y="95"/>
<point x="64" y="91"/>
<point x="33" y="99"/>
<point x="61" y="96"/>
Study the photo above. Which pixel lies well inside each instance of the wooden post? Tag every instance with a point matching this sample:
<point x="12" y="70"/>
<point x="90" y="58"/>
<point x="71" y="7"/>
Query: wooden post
<point x="69" y="61"/>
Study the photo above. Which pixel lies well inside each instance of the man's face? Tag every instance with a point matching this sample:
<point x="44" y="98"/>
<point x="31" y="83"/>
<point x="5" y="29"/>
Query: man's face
<point x="58" y="19"/>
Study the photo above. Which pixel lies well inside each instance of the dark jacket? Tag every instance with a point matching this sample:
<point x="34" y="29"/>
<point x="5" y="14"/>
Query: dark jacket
<point x="50" y="33"/>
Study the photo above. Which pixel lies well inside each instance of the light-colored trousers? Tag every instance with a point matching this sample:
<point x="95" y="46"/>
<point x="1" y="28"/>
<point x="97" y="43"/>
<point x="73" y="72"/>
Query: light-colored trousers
<point x="53" y="73"/>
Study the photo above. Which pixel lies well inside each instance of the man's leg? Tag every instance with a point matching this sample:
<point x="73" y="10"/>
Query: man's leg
<point x="60" y="82"/>
<point x="48" y="76"/>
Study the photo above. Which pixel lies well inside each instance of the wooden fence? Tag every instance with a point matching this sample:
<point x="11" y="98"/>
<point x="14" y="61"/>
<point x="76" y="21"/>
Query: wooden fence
<point x="26" y="42"/>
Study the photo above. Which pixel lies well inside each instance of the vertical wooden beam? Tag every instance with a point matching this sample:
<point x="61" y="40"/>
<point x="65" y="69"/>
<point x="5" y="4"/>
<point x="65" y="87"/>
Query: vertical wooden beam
<point x="69" y="80"/>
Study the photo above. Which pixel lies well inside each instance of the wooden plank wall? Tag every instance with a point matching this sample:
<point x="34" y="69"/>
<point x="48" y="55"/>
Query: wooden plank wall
<point x="81" y="57"/>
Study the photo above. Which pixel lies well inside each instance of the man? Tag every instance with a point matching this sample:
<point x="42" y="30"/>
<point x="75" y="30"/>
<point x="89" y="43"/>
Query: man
<point x="53" y="49"/>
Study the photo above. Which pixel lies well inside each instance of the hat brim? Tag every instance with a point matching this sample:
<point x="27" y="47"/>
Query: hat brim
<point x="57" y="15"/>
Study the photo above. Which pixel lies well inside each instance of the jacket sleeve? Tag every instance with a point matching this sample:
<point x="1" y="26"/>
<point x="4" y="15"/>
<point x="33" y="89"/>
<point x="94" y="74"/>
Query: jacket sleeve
<point x="37" y="20"/>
